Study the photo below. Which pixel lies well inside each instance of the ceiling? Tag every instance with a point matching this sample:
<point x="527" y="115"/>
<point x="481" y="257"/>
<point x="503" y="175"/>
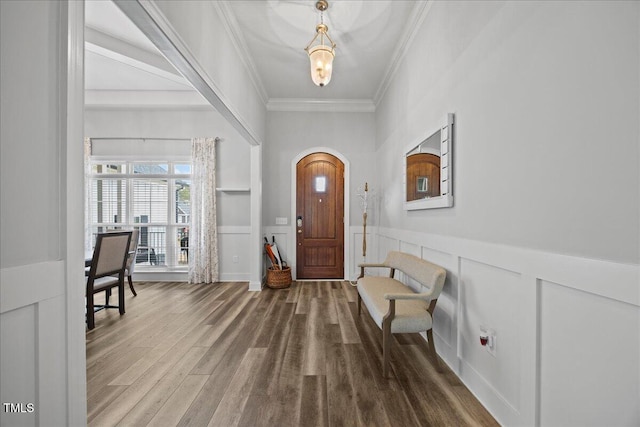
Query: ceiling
<point x="370" y="36"/>
<point x="119" y="57"/>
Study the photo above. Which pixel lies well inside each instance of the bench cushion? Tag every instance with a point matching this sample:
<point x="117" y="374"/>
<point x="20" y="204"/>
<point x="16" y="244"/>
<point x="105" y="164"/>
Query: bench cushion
<point x="411" y="315"/>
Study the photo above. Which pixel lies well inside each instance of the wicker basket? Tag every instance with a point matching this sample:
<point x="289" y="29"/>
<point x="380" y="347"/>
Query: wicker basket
<point x="279" y="279"/>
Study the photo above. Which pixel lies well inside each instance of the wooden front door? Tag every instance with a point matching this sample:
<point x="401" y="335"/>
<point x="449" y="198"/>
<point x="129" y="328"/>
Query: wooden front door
<point x="320" y="217"/>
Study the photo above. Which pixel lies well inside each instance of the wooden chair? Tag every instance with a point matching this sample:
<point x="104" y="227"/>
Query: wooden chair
<point x="107" y="271"/>
<point x="131" y="260"/>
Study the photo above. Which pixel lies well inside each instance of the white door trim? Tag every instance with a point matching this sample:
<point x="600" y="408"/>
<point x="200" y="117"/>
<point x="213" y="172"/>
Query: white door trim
<point x="292" y="234"/>
<point x="255" y="238"/>
<point x="73" y="246"/>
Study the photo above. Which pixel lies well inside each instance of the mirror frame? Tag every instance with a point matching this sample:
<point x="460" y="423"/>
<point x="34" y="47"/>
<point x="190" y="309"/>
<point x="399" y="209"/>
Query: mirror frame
<point x="445" y="200"/>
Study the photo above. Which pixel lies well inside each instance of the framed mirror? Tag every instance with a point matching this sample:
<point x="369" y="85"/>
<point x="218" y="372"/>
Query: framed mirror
<point x="428" y="178"/>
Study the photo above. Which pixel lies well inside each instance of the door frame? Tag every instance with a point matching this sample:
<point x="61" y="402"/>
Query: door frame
<point x="73" y="247"/>
<point x="347" y="221"/>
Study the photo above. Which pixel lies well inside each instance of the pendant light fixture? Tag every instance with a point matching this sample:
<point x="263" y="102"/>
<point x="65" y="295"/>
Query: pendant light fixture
<point x="321" y="55"/>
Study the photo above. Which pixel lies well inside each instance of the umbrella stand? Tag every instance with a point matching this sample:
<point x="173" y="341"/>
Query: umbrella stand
<point x="279" y="274"/>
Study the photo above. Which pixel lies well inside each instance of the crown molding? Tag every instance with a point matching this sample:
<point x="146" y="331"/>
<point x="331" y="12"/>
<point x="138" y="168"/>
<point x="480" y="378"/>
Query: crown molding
<point x="239" y="43"/>
<point x="321" y="105"/>
<point x="420" y="12"/>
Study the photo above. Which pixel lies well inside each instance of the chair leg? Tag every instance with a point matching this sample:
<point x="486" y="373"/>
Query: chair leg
<point x="359" y="304"/>
<point x="121" y="296"/>
<point x="90" y="314"/>
<point x="386" y="347"/>
<point x="107" y="294"/>
<point x="131" y="286"/>
<point x="432" y="350"/>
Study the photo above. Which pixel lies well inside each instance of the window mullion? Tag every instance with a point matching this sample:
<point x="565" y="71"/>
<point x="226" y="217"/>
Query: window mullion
<point x="130" y="221"/>
<point x="171" y="234"/>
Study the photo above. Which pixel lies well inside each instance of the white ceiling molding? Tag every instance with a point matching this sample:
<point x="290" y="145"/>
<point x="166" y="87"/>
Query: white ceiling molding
<point x="237" y="39"/>
<point x="145" y="99"/>
<point x="146" y="16"/>
<point x="121" y="51"/>
<point x="321" y="105"/>
<point x="420" y="11"/>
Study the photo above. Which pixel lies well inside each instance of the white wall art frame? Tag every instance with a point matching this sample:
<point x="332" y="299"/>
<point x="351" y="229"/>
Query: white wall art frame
<point x="445" y="199"/>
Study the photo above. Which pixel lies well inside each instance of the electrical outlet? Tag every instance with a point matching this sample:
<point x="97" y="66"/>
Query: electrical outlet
<point x="235" y="259"/>
<point x="488" y="339"/>
<point x="491" y="345"/>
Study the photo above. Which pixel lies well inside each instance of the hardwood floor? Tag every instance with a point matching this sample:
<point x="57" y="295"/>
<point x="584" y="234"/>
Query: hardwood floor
<point x="219" y="355"/>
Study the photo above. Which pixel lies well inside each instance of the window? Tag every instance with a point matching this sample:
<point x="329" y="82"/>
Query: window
<point x="151" y="196"/>
<point x="321" y="184"/>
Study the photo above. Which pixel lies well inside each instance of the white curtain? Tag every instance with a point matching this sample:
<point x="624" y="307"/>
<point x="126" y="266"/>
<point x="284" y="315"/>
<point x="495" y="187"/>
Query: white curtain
<point x="203" y="233"/>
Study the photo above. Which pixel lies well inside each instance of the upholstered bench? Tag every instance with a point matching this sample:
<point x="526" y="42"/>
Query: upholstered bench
<point x="396" y="307"/>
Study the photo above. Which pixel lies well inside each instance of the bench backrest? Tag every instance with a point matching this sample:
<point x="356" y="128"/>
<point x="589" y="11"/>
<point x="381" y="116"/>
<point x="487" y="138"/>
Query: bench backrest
<point x="426" y="273"/>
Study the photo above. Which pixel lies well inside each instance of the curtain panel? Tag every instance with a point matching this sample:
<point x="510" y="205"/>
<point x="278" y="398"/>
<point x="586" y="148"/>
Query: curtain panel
<point x="203" y="234"/>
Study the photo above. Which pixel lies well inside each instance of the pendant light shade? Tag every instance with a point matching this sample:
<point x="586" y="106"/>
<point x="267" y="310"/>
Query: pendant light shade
<point x="321" y="55"/>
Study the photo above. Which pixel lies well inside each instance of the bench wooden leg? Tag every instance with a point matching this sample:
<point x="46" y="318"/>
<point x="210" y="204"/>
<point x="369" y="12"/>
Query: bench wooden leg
<point x="432" y="350"/>
<point x="386" y="336"/>
<point x="386" y="347"/>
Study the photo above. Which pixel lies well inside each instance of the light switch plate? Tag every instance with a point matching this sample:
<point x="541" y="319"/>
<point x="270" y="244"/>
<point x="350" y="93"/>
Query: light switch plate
<point x="282" y="220"/>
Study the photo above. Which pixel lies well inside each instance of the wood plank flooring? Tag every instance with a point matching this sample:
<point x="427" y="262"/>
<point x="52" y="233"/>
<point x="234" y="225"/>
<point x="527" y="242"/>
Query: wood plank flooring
<point x="218" y="355"/>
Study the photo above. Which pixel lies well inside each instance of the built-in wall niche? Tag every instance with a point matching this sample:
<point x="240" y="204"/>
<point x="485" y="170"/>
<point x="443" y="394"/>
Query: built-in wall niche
<point x="428" y="177"/>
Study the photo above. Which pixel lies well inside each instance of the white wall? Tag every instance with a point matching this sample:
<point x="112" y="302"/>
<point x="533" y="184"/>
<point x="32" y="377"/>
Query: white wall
<point x="546" y="138"/>
<point x="42" y="361"/>
<point x="232" y="169"/>
<point x="202" y="29"/>
<point x="290" y="133"/>
<point x="542" y="243"/>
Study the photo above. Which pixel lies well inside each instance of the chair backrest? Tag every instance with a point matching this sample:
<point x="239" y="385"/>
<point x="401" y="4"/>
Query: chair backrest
<point x="426" y="273"/>
<point x="133" y="251"/>
<point x="110" y="254"/>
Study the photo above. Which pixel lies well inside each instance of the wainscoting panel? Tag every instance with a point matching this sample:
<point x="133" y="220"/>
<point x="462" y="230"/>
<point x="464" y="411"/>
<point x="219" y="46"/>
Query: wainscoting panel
<point x="356" y="257"/>
<point x="387" y="243"/>
<point x="233" y="253"/>
<point x="34" y="344"/>
<point x="233" y="241"/>
<point x="282" y="234"/>
<point x="488" y="296"/>
<point x="589" y="353"/>
<point x="18" y="364"/>
<point x="410" y="248"/>
<point x="567" y="329"/>
<point x="444" y="318"/>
